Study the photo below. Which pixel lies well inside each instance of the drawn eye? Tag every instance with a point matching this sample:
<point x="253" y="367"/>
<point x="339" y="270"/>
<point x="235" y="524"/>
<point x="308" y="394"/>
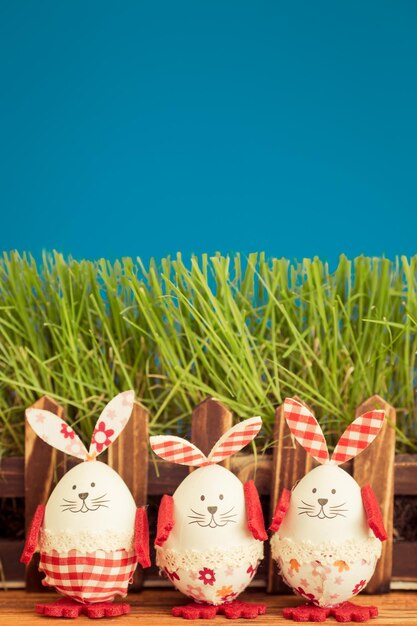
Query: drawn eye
<point x="202" y="498"/>
<point x="333" y="490"/>
<point x="74" y="486"/>
<point x="314" y="490"/>
<point x="93" y="484"/>
<point x="221" y="496"/>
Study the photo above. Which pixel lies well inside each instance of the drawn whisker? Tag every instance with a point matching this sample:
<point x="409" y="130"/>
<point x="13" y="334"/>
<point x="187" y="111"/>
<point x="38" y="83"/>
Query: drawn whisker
<point x="228" y="517"/>
<point x="227" y="512"/>
<point x="69" y="501"/>
<point x="99" y="497"/>
<point x="197" y="513"/>
<point x="100" y="502"/>
<point x="196" y="518"/>
<point x="337" y="506"/>
<point x="311" y="506"/>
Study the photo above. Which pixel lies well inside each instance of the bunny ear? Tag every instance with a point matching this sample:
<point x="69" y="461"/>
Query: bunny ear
<point x="306" y="430"/>
<point x="235" y="439"/>
<point x="177" y="450"/>
<point x="357" y="436"/>
<point x="55" y="432"/>
<point x="111" y="422"/>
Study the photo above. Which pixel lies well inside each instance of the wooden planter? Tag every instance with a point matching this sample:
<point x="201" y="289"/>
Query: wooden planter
<point x="34" y="476"/>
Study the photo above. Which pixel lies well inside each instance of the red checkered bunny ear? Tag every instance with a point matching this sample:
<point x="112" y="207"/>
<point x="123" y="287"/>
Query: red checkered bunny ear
<point x="111" y="422"/>
<point x="235" y="439"/>
<point x="306" y="430"/>
<point x="177" y="450"/>
<point x="357" y="436"/>
<point x="55" y="432"/>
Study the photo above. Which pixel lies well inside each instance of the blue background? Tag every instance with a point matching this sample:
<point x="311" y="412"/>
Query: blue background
<point x="143" y="128"/>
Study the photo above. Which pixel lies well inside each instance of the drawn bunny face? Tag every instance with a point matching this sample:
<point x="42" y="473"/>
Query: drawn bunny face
<point x="209" y="504"/>
<point x="90" y="496"/>
<point x="326" y="504"/>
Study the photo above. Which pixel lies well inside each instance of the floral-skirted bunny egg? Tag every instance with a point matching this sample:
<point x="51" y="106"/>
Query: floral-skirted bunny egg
<point x="90" y="534"/>
<point x="328" y="531"/>
<point x="211" y="531"/>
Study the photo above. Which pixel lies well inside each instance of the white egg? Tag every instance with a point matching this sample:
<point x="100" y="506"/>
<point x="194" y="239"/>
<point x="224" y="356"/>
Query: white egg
<point x="326" y="505"/>
<point x="324" y="548"/>
<point x="90" y="497"/>
<point x="210" y="555"/>
<point x="209" y="511"/>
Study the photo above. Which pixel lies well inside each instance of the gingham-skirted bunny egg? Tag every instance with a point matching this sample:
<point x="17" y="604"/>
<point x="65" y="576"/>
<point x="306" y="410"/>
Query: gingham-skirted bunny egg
<point x="209" y="510"/>
<point x="91" y="496"/>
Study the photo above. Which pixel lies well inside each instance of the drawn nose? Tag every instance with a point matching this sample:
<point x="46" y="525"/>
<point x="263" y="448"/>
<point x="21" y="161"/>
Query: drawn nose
<point x="322" y="501"/>
<point x="212" y="509"/>
<point x="84" y="496"/>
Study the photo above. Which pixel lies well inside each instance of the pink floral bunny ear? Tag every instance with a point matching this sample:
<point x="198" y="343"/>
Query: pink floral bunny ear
<point x="55" y="432"/>
<point x="235" y="439"/>
<point x="111" y="422"/>
<point x="306" y="430"/>
<point x="177" y="450"/>
<point x="358" y="436"/>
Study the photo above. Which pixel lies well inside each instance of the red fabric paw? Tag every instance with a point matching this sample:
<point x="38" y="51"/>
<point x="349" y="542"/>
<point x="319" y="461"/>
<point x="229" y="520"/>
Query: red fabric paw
<point x="373" y="513"/>
<point x="195" y="611"/>
<point x="306" y="613"/>
<point x="237" y="609"/>
<point x="254" y="514"/>
<point x="349" y="612"/>
<point x="280" y="510"/>
<point x="142" y="537"/>
<point x="33" y="534"/>
<point x="64" y="607"/>
<point x="106" y="609"/>
<point x="165" y="520"/>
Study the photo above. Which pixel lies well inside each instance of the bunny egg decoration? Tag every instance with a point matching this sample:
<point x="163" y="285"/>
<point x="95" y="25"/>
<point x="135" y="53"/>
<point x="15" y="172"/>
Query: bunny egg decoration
<point x="327" y="530"/>
<point x="90" y="534"/>
<point x="211" y="531"/>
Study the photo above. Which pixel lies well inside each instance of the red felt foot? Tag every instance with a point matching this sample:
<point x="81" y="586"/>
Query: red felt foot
<point x="106" y="609"/>
<point x="349" y="612"/>
<point x="65" y="607"/>
<point x="306" y="613"/>
<point x="195" y="611"/>
<point x="236" y="609"/>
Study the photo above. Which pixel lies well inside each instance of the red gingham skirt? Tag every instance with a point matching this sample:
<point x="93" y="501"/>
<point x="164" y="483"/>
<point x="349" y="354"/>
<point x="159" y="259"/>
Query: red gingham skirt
<point x="89" y="577"/>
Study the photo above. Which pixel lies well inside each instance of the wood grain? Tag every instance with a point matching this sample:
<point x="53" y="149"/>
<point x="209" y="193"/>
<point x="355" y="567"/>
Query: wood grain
<point x="153" y="608"/>
<point x="209" y="422"/>
<point x="375" y="466"/>
<point x="163" y="478"/>
<point x="290" y="463"/>
<point x="42" y="462"/>
<point x="128" y="456"/>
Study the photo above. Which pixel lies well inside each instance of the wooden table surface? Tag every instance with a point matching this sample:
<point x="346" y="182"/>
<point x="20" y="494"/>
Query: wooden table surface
<point x="153" y="607"/>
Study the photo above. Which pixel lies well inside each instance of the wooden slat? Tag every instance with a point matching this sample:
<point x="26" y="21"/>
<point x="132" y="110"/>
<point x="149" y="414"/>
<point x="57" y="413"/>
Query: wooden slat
<point x="209" y="421"/>
<point x="12" y="569"/>
<point x="41" y="460"/>
<point x="12" y="477"/>
<point x="404" y="559"/>
<point x="405" y="475"/>
<point x="153" y="607"/>
<point x="290" y="463"/>
<point x="375" y="465"/>
<point x="128" y="456"/>
<point x="165" y="478"/>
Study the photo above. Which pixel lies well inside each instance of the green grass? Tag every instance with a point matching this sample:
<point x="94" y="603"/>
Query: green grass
<point x="249" y="331"/>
